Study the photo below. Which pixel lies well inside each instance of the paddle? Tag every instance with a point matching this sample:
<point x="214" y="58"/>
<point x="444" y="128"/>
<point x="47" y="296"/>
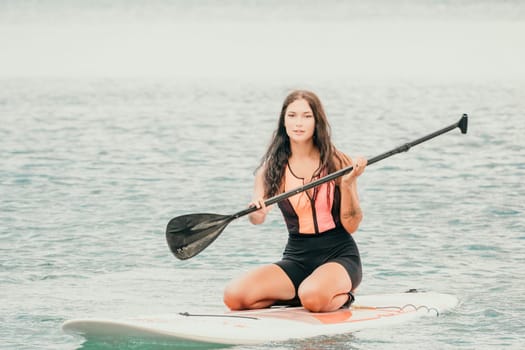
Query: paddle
<point x="188" y="235"/>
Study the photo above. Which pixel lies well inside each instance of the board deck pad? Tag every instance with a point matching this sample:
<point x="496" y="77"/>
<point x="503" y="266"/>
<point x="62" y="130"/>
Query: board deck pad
<point x="266" y="325"/>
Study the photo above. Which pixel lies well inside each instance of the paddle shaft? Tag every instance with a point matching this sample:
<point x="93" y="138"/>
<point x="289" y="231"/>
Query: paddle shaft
<point x="462" y="124"/>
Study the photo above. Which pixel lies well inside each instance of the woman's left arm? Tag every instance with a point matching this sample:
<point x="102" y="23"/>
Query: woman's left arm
<point x="351" y="214"/>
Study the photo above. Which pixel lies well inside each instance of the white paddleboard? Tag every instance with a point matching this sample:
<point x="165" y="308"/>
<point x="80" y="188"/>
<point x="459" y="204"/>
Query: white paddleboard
<point x="266" y="325"/>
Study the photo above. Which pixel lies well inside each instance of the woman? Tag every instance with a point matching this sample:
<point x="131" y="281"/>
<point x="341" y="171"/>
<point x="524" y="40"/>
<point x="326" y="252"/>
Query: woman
<point x="320" y="265"/>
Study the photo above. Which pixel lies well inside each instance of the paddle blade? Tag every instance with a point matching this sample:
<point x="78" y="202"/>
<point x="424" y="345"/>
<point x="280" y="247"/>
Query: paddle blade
<point x="188" y="235"/>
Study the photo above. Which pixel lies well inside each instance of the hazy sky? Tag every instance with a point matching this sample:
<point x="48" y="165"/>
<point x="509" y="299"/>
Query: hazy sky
<point x="71" y="41"/>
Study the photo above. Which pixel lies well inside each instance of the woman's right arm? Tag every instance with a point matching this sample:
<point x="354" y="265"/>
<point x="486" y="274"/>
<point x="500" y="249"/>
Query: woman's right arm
<point x="257" y="217"/>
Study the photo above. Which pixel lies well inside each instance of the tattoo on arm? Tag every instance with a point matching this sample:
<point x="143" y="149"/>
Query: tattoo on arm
<point x="352" y="213"/>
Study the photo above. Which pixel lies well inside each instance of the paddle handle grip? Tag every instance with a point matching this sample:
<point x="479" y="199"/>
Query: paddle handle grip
<point x="461" y="124"/>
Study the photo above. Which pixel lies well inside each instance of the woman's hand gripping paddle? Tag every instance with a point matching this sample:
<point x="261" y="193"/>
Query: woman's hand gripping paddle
<point x="190" y="234"/>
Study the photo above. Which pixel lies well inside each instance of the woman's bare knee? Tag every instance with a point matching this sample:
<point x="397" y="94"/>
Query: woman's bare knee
<point x="233" y="298"/>
<point x="313" y="298"/>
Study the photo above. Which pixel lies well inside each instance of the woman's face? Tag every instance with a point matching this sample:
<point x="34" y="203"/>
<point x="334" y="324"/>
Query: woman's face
<point x="299" y="121"/>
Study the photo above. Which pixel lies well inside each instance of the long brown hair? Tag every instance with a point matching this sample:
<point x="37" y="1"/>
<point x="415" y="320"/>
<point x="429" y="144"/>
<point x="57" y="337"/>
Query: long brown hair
<point x="276" y="157"/>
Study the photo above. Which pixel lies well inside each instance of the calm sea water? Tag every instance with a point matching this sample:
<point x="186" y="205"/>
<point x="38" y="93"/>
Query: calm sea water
<point x="94" y="166"/>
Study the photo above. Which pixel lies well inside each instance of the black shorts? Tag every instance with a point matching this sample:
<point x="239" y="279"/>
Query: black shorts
<point x="304" y="253"/>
